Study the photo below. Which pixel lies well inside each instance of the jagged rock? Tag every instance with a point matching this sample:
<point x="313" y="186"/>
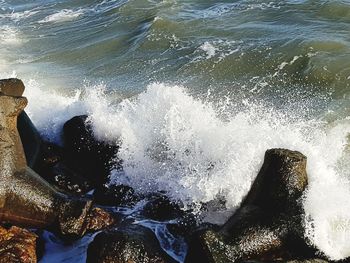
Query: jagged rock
<point x="12" y="87"/>
<point x="115" y="195"/>
<point x="269" y="223"/>
<point x="17" y="245"/>
<point x="131" y="244"/>
<point x="89" y="157"/>
<point x="99" y="219"/>
<point x="25" y="198"/>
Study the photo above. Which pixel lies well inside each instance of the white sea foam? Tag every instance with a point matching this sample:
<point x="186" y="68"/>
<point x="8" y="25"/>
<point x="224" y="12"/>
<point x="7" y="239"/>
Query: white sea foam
<point x="50" y="110"/>
<point x="171" y="141"/>
<point x="16" y="16"/>
<point x="63" y="16"/>
<point x="217" y="49"/>
<point x="10" y="36"/>
<point x="209" y="49"/>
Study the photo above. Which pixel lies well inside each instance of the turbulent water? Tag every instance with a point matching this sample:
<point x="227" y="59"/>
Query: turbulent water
<point x="196" y="91"/>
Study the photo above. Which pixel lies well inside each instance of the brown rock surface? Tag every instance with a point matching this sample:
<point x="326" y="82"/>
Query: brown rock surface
<point x="17" y="245"/>
<point x="26" y="199"/>
<point x="11" y="87"/>
<point x="99" y="219"/>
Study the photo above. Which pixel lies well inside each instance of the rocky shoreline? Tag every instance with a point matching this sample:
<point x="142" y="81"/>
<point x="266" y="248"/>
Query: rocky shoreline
<point x="46" y="186"/>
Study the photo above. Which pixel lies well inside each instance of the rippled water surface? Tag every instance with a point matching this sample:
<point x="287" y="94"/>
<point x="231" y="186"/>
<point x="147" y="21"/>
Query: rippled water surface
<point x="196" y="91"/>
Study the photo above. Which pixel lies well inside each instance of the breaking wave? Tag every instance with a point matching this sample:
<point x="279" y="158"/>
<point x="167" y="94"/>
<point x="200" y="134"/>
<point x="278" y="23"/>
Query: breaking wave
<point x="174" y="142"/>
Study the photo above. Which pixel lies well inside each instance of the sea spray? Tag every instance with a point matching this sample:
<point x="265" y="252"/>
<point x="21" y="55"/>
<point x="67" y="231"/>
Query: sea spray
<point x="173" y="142"/>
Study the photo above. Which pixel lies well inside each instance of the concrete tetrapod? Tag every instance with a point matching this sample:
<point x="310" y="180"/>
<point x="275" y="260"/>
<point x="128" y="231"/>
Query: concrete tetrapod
<point x="269" y="223"/>
<point x="25" y="198"/>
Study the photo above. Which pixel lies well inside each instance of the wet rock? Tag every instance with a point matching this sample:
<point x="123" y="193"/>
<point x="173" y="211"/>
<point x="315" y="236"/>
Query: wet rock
<point x="52" y="154"/>
<point x="131" y="244"/>
<point x="12" y="87"/>
<point x="55" y="171"/>
<point x="25" y="198"/>
<point x="161" y="208"/>
<point x="187" y="225"/>
<point x="67" y="180"/>
<point x="72" y="217"/>
<point x="280" y="182"/>
<point x="31" y="140"/>
<point x="99" y="219"/>
<point x="79" y="216"/>
<point x="29" y="135"/>
<point x="17" y="245"/>
<point x="89" y="157"/>
<point x="269" y="223"/>
<point x="115" y="195"/>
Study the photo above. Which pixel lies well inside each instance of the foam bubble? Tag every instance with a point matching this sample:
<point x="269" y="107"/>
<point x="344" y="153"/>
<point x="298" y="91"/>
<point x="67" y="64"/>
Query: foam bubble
<point x="209" y="49"/>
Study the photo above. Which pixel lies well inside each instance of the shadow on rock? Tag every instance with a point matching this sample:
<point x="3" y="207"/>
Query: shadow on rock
<point x="130" y="244"/>
<point x="269" y="223"/>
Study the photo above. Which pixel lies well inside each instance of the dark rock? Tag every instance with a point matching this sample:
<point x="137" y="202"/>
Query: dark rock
<point x="87" y="155"/>
<point x="55" y="171"/>
<point x="115" y="195"/>
<point x="131" y="244"/>
<point x="269" y="223"/>
<point x="31" y="141"/>
<point x="311" y="260"/>
<point x="187" y="225"/>
<point x="51" y="155"/>
<point x="17" y="245"/>
<point x="67" y="180"/>
<point x="280" y="182"/>
<point x="161" y="208"/>
<point x="12" y="87"/>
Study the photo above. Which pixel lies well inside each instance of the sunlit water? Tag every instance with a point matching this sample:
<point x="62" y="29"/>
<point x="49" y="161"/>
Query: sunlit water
<point x="195" y="92"/>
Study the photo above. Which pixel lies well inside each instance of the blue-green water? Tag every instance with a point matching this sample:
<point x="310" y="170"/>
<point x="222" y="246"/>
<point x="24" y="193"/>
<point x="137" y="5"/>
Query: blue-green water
<point x="187" y="85"/>
<point x="202" y="44"/>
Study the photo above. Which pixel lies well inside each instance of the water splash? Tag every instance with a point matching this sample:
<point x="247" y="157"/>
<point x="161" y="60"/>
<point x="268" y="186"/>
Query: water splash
<point x="173" y="142"/>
